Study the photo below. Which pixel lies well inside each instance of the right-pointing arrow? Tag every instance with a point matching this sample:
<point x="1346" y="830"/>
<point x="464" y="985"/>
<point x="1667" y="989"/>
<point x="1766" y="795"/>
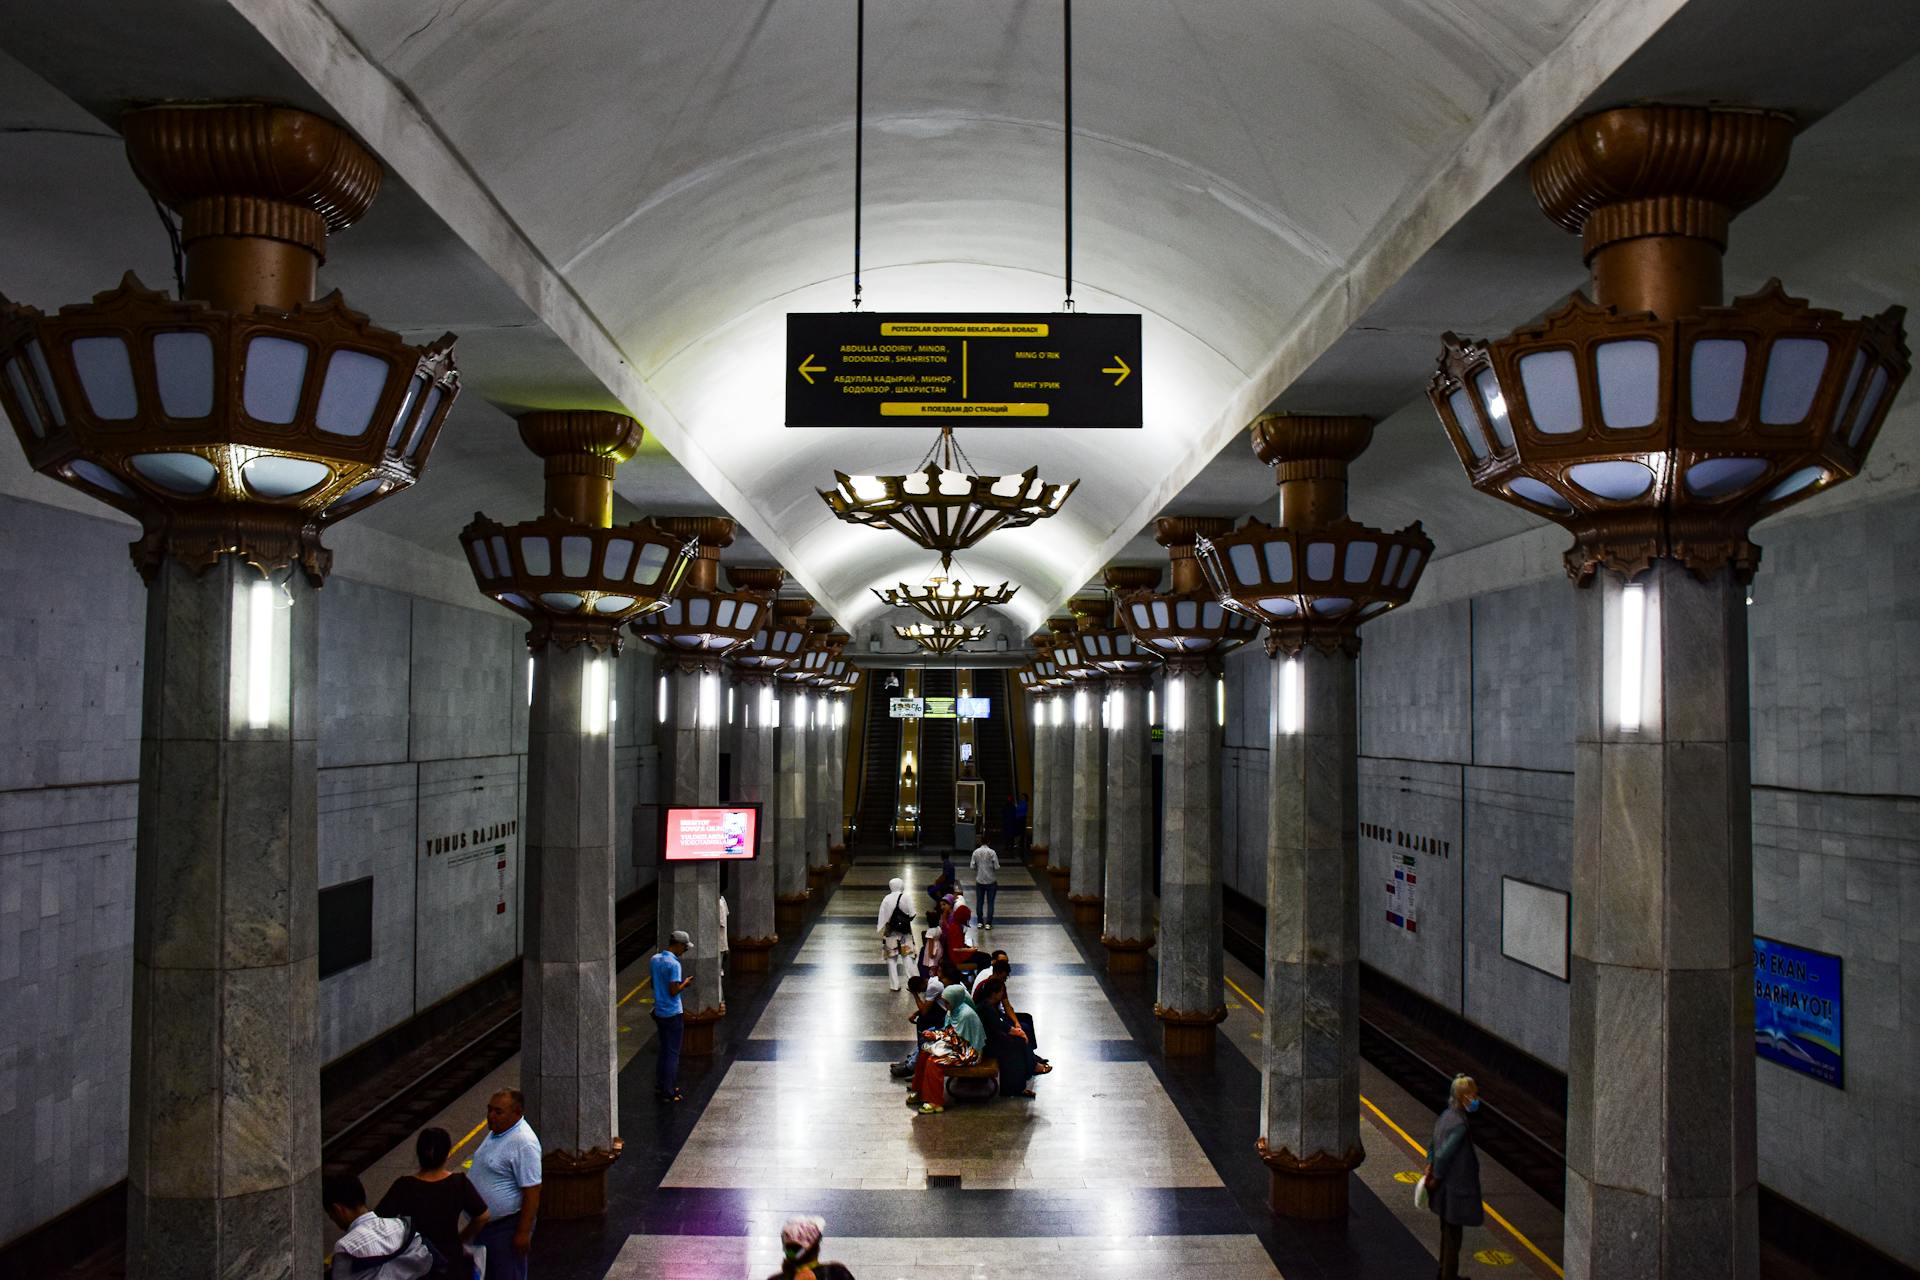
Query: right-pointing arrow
<point x="1120" y="367"/>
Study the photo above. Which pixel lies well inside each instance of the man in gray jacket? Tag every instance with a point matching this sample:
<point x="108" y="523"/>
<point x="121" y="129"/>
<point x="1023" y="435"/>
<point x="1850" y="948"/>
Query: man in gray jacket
<point x="1453" y="1174"/>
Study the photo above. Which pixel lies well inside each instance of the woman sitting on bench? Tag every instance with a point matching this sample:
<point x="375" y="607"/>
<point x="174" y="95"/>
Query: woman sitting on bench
<point x="965" y="1037"/>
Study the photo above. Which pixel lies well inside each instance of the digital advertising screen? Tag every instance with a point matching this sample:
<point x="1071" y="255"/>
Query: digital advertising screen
<point x="1796" y="1010"/>
<point x="905" y="708"/>
<point x="729" y="833"/>
<point x="973" y="708"/>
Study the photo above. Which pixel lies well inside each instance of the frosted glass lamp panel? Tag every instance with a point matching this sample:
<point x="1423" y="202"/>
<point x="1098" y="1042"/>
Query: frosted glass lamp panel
<point x="537" y="555"/>
<point x="352" y="391"/>
<point x="1629" y="377"/>
<point x="1869" y="405"/>
<point x="39" y="359"/>
<point x="1534" y="491"/>
<point x="432" y="406"/>
<point x="564" y="601"/>
<point x="1411" y="567"/>
<point x="1469" y="422"/>
<point x="1840" y="417"/>
<point x="482" y="559"/>
<point x="576" y="555"/>
<point x="1718" y="367"/>
<point x="1496" y="401"/>
<point x="32" y="413"/>
<point x="183" y="369"/>
<point x="1718" y="477"/>
<point x="106" y="375"/>
<point x="699" y="610"/>
<point x="406" y="408"/>
<point x="723" y="617"/>
<point x="619" y="555"/>
<point x="1320" y="561"/>
<point x="1245" y="566"/>
<point x="1552" y="385"/>
<point x="748" y="611"/>
<point x="276" y="374"/>
<point x="95" y="474"/>
<point x="181" y="473"/>
<point x="1794" y="366"/>
<point x="1616" y="481"/>
<point x="1280" y="561"/>
<point x="274" y="477"/>
<point x="1793" y="483"/>
<point x="1361" y="557"/>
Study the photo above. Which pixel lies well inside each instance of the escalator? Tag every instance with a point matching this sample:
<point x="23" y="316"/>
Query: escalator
<point x="937" y="765"/>
<point x="880" y="767"/>
<point x="993" y="754"/>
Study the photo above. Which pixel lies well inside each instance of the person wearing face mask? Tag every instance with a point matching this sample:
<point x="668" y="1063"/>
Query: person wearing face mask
<point x="1453" y="1174"/>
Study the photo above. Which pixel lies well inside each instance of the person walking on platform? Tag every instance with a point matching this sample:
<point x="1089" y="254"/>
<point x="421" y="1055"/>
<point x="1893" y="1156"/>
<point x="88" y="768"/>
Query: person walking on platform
<point x="895" y="924"/>
<point x="506" y="1173"/>
<point x="667" y="1014"/>
<point x="1453" y="1176"/>
<point x="986" y="875"/>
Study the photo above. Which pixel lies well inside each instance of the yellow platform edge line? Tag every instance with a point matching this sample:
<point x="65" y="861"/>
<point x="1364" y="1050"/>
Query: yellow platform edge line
<point x="471" y="1135"/>
<point x="1407" y="1138"/>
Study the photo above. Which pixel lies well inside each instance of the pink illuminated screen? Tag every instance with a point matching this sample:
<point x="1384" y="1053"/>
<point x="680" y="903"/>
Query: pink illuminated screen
<point x="730" y="834"/>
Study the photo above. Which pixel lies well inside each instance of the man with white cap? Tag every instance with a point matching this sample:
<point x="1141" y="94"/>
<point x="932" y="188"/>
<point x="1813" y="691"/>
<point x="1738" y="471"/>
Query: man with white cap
<point x="667" y="986"/>
<point x="895" y="924"/>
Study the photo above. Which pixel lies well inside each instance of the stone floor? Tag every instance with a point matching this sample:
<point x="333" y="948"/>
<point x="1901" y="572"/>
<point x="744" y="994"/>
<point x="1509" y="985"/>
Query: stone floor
<point x="1124" y="1163"/>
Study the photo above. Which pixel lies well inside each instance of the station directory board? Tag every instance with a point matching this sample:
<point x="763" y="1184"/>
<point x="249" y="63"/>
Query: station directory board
<point x="1043" y="369"/>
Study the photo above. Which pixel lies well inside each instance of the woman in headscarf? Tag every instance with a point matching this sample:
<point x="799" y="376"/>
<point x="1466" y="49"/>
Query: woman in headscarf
<point x="964" y="1038"/>
<point x="954" y="927"/>
<point x="1007" y="1042"/>
<point x="895" y="924"/>
<point x="800" y="1253"/>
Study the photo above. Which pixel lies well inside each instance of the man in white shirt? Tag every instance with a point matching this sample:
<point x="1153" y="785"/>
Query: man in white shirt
<point x="373" y="1248"/>
<point x="506" y="1173"/>
<point x="986" y="873"/>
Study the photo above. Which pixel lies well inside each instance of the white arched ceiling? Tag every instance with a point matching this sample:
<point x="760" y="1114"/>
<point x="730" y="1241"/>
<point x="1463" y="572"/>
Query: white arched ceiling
<point x="663" y="182"/>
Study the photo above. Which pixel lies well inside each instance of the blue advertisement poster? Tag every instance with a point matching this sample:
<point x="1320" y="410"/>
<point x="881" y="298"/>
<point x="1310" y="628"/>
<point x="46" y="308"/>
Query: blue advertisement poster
<point x="1796" y="1009"/>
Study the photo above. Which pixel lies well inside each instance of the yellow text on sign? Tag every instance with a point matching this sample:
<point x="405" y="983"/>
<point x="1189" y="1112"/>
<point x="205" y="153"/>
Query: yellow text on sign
<point x="924" y="409"/>
<point x="959" y="329"/>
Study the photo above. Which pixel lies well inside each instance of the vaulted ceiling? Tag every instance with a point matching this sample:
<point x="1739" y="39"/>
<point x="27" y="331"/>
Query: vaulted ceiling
<point x="616" y="203"/>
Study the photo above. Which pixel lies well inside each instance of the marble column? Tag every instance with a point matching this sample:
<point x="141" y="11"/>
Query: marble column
<point x="690" y="891"/>
<point x="790" y="830"/>
<point x="568" y="1041"/>
<point x="751" y="927"/>
<point x="223" y="1144"/>
<point x="1086" y="877"/>
<point x="1060" y="809"/>
<point x="1040" y="798"/>
<point x="833" y="708"/>
<point x="1128" y="880"/>
<point x="1661" y="1176"/>
<point x="1190" y="1002"/>
<point x="1310" y="1105"/>
<point x="818" y="870"/>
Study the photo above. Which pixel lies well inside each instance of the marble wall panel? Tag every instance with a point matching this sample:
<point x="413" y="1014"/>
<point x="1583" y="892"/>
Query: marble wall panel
<point x="1518" y="823"/>
<point x="1416" y="687"/>
<point x="70" y="661"/>
<point x="1842" y="874"/>
<point x="367" y="829"/>
<point x="470" y="837"/>
<point x="1834" y="639"/>
<point x="366" y="640"/>
<point x="1412" y="810"/>
<point x="1523" y="677"/>
<point x="468" y="683"/>
<point x="66" y="963"/>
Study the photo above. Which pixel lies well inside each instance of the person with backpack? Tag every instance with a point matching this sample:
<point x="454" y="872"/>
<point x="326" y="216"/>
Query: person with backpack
<point x="373" y="1247"/>
<point x="895" y="924"/>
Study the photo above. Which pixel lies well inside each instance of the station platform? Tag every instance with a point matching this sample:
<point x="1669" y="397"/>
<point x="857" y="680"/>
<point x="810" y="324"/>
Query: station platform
<point x="1124" y="1161"/>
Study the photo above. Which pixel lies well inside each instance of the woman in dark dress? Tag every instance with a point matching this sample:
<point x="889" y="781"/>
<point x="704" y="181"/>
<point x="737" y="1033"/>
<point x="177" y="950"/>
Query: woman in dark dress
<point x="434" y="1199"/>
<point x="1007" y="1042"/>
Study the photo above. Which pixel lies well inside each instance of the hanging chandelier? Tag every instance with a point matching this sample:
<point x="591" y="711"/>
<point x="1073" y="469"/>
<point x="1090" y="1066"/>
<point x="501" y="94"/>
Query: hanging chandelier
<point x="823" y="646"/>
<point x="941" y="637"/>
<point x="1105" y="643"/>
<point x="1188" y="622"/>
<point x="944" y="599"/>
<point x="943" y="506"/>
<point x="703" y="622"/>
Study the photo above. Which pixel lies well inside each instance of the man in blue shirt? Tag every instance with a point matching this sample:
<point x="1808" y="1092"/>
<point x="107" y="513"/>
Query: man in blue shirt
<point x="667" y="986"/>
<point x="506" y="1173"/>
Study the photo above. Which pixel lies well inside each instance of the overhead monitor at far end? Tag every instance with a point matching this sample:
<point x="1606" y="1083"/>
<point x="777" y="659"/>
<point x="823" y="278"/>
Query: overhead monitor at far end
<point x="973" y="708"/>
<point x="723" y="833"/>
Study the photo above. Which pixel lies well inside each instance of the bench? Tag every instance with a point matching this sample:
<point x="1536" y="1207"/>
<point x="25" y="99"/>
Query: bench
<point x="977" y="1082"/>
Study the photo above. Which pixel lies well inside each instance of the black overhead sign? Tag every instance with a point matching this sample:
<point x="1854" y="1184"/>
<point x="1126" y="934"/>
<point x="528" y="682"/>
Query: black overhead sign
<point x="860" y="369"/>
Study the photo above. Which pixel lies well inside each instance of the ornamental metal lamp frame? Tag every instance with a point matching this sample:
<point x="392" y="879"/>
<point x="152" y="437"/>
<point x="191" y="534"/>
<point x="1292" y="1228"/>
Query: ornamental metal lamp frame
<point x="944" y="506"/>
<point x="1653" y="421"/>
<point x="943" y="599"/>
<point x="702" y="623"/>
<point x="941" y="638"/>
<point x="1186" y="625"/>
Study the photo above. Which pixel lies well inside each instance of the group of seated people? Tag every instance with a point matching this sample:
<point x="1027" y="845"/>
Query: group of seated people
<point x="964" y="1016"/>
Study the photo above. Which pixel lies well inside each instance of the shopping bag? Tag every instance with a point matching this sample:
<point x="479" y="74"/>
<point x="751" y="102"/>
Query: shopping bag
<point x="1420" y="1193"/>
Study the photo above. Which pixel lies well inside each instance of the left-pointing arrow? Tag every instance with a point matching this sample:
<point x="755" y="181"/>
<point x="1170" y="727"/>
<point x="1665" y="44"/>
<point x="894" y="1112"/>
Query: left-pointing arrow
<point x="808" y="368"/>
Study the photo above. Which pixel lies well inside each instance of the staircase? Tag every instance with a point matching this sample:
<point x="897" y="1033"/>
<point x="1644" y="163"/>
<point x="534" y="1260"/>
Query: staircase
<point x="937" y="765"/>
<point x="880" y="770"/>
<point x="993" y="754"/>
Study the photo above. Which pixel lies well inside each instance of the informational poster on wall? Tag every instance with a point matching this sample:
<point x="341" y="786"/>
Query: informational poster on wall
<point x="1796" y="1010"/>
<point x="1403" y="890"/>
